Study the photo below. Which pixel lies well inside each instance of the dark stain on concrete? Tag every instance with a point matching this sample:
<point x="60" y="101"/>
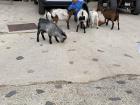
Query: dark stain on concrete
<point x="100" y="51"/>
<point x="95" y="59"/>
<point x="20" y="58"/>
<point x="32" y="38"/>
<point x="50" y="103"/>
<point x="11" y="93"/>
<point x="85" y="72"/>
<point x="2" y="41"/>
<point x="8" y="47"/>
<point x="71" y="62"/>
<point x="45" y="51"/>
<point x="98" y="87"/>
<point x="58" y="86"/>
<point x="30" y="71"/>
<point x="128" y="91"/>
<point x="41" y="44"/>
<point x="39" y="91"/>
<point x="121" y="82"/>
<point x="72" y="50"/>
<point x="115" y="98"/>
<point x="127" y="55"/>
<point x="74" y="41"/>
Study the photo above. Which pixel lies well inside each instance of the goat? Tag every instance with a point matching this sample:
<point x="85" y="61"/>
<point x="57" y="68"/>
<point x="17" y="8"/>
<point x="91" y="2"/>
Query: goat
<point x="82" y="19"/>
<point x="61" y="13"/>
<point x="74" y="12"/>
<point x="45" y="25"/>
<point x="94" y="16"/>
<point x="109" y="14"/>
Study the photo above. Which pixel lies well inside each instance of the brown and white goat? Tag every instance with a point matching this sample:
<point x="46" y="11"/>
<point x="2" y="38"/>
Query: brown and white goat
<point x="53" y="17"/>
<point x="109" y="14"/>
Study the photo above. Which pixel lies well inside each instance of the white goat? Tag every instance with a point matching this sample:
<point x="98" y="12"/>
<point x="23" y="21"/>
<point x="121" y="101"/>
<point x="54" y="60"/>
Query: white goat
<point x="82" y="19"/>
<point x="61" y="13"/>
<point x="94" y="16"/>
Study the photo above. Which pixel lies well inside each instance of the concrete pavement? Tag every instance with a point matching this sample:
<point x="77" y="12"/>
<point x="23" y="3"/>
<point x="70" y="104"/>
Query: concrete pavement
<point x="82" y="58"/>
<point x="118" y="90"/>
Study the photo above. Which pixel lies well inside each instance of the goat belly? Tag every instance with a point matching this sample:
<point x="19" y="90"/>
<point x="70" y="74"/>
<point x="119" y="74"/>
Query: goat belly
<point x="82" y="18"/>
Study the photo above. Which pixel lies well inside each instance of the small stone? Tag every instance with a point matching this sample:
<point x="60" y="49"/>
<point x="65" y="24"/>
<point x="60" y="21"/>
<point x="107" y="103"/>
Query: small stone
<point x="41" y="44"/>
<point x="20" y="58"/>
<point x="100" y="50"/>
<point x="49" y="103"/>
<point x="39" y="91"/>
<point x="8" y="47"/>
<point x="128" y="92"/>
<point x="71" y="62"/>
<point x="121" y="82"/>
<point x="58" y="86"/>
<point x="11" y="93"/>
<point x="74" y="41"/>
<point x="95" y="59"/>
<point x="115" y="98"/>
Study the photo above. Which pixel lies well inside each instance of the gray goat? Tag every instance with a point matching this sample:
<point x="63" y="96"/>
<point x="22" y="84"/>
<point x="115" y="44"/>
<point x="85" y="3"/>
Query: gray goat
<point x="46" y="26"/>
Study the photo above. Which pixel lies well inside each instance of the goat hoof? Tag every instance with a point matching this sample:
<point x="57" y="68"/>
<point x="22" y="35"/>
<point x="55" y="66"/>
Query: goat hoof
<point x="97" y="27"/>
<point x="37" y="40"/>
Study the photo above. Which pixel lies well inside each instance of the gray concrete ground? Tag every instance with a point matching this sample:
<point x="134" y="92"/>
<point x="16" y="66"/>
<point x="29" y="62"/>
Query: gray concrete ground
<point x="119" y="90"/>
<point x="82" y="58"/>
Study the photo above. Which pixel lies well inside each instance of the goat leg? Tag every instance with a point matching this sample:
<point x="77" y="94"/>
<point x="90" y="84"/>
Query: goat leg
<point x="77" y="28"/>
<point x="118" y="25"/>
<point x="38" y="32"/>
<point x="81" y="25"/>
<point x="42" y="33"/>
<point x="84" y="29"/>
<point x="107" y="22"/>
<point x="97" y="22"/>
<point x="56" y="39"/>
<point x="112" y="25"/>
<point x="50" y="39"/>
<point x="88" y="23"/>
<point x="69" y="16"/>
